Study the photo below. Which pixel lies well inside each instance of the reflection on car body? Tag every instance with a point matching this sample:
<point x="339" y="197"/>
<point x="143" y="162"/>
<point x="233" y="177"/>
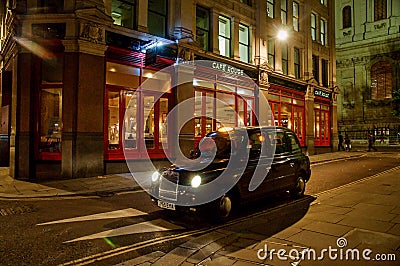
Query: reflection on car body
<point x="256" y="161"/>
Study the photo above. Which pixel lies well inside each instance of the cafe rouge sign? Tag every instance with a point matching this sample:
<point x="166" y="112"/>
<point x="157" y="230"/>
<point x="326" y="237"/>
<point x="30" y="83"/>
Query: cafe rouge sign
<point x="322" y="94"/>
<point x="226" y="68"/>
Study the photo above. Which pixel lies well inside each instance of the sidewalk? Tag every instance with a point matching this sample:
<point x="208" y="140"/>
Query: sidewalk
<point x="356" y="224"/>
<point x="100" y="185"/>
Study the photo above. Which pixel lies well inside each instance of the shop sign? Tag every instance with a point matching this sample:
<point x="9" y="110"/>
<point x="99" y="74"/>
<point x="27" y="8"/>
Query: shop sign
<point x="322" y="94"/>
<point x="227" y="68"/>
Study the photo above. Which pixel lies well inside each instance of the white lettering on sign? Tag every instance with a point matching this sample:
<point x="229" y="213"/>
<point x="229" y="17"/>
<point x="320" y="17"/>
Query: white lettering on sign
<point x="226" y="68"/>
<point x="321" y="93"/>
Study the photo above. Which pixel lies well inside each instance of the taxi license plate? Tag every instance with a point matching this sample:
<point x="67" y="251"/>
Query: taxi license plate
<point x="166" y="205"/>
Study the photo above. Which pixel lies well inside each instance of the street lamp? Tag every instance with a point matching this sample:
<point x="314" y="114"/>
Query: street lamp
<point x="282" y="34"/>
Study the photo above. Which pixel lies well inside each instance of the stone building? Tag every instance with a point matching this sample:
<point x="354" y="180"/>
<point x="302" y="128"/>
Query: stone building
<point x="368" y="67"/>
<point x="71" y="72"/>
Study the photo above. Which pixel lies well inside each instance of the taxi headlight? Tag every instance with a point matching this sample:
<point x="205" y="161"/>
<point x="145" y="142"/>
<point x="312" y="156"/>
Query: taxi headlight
<point x="155" y="176"/>
<point x="196" y="181"/>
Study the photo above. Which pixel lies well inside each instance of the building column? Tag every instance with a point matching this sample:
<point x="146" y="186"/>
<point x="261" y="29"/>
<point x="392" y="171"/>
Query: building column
<point x="142" y="12"/>
<point x="334" y="120"/>
<point x="309" y="102"/>
<point x="83" y="109"/>
<point x="214" y="31"/>
<point x="235" y="38"/>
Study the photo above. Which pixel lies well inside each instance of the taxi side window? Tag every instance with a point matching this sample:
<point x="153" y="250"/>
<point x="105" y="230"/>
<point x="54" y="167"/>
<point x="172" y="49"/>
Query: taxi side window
<point x="280" y="142"/>
<point x="294" y="143"/>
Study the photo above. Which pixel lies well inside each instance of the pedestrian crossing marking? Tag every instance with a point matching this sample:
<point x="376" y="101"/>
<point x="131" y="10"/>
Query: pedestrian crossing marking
<point x="156" y="225"/>
<point x="129" y="212"/>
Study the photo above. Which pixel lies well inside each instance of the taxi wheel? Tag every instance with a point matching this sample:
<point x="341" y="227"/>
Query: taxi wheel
<point x="299" y="188"/>
<point x="226" y="206"/>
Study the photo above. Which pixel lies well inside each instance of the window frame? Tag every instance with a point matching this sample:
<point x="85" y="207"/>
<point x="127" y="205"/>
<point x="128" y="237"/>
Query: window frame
<point x="285" y="58"/>
<point x="164" y="16"/>
<point x="134" y="12"/>
<point x="346" y="17"/>
<point x="296" y="26"/>
<point x="380" y="10"/>
<point x="379" y="70"/>
<point x="315" y="67"/>
<point x="225" y="38"/>
<point x="284" y="12"/>
<point x="323" y="34"/>
<point x="245" y="45"/>
<point x="313" y="27"/>
<point x="296" y="62"/>
<point x="271" y="7"/>
<point x="204" y="29"/>
<point x="271" y="52"/>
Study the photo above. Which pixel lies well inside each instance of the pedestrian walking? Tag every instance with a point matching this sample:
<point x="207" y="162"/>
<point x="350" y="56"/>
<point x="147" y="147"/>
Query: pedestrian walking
<point x="371" y="142"/>
<point x="340" y="145"/>
<point x="347" y="142"/>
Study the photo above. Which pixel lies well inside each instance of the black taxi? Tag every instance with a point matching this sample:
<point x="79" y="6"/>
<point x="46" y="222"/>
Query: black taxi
<point x="230" y="167"/>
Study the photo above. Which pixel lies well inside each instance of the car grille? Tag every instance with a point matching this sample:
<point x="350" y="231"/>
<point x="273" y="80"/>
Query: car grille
<point x="169" y="185"/>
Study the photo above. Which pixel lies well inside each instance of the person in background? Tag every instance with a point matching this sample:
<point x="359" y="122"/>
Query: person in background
<point x="371" y="142"/>
<point x="347" y="142"/>
<point x="340" y="145"/>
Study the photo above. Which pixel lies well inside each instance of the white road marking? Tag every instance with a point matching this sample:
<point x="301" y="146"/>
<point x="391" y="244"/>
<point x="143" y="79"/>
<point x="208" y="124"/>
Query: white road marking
<point x="157" y="225"/>
<point x="99" y="216"/>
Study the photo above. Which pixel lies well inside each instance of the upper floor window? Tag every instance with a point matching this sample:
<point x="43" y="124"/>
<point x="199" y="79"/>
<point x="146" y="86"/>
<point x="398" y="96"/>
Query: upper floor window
<point x="284" y="59"/>
<point x="244" y="43"/>
<point x="313" y="27"/>
<point x="51" y="6"/>
<point x="315" y="67"/>
<point x="380" y="7"/>
<point x="323" y="31"/>
<point x="324" y="72"/>
<point x="346" y="17"/>
<point x="284" y="11"/>
<point x="271" y="53"/>
<point x="270" y="8"/>
<point x="157" y="17"/>
<point x="123" y="13"/>
<point x="295" y="16"/>
<point x="296" y="60"/>
<point x="203" y="27"/>
<point x="381" y="80"/>
<point x="224" y="36"/>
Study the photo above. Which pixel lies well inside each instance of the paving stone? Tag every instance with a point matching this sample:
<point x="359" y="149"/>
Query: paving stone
<point x="175" y="257"/>
<point x="365" y="223"/>
<point x="351" y="199"/>
<point x="388" y="200"/>
<point x="219" y="260"/>
<point x="397" y="209"/>
<point x="288" y="232"/>
<point x="396" y="219"/>
<point x="325" y="217"/>
<point x="313" y="239"/>
<point x="204" y="252"/>
<point x="203" y="240"/>
<point x="145" y="258"/>
<point x="359" y="237"/>
<point x="395" y="230"/>
<point x="373" y="211"/>
<point x="245" y="254"/>
<point x="328" y="228"/>
<point x="244" y="242"/>
<point x="327" y="208"/>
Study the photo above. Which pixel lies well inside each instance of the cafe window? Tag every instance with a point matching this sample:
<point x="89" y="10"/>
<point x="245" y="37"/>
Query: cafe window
<point x="157" y="17"/>
<point x="325" y="72"/>
<point x="288" y="110"/>
<point x="295" y="16"/>
<point x="321" y="124"/>
<point x="123" y="12"/>
<point x="203" y="27"/>
<point x="244" y="43"/>
<point x="132" y="115"/>
<point x="50" y="99"/>
<point x="224" y="36"/>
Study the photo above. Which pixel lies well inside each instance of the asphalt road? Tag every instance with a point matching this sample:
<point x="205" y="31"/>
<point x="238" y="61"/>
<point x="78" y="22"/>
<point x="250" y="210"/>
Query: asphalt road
<point x="81" y="230"/>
